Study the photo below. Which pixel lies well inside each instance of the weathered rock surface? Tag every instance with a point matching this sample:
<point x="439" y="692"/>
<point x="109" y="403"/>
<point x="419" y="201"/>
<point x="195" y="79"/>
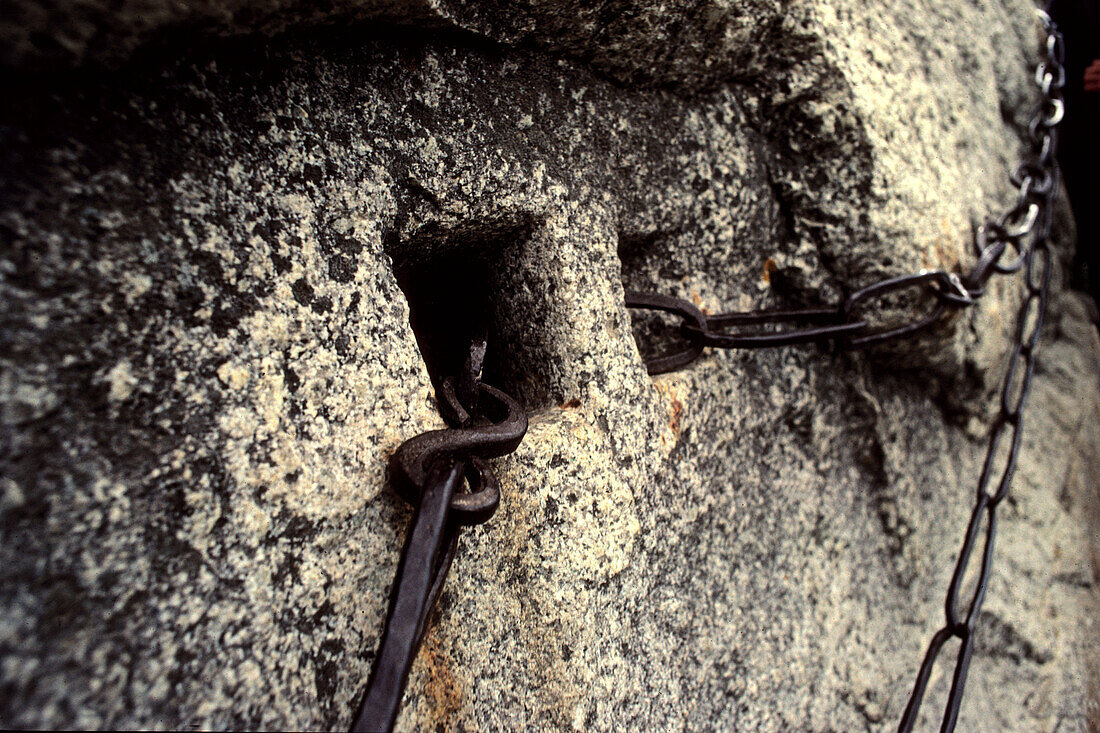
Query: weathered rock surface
<point x="211" y="249"/>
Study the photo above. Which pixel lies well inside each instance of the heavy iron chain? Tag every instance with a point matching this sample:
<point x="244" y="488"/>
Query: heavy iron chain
<point x="427" y="471"/>
<point x="1023" y="228"/>
<point x="484" y="422"/>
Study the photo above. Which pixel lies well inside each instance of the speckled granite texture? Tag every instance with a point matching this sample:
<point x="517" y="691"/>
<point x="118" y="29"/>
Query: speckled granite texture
<point x="217" y="219"/>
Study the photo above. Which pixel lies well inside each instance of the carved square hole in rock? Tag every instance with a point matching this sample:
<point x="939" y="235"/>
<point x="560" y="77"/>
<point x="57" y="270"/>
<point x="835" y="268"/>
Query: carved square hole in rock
<point x="455" y="289"/>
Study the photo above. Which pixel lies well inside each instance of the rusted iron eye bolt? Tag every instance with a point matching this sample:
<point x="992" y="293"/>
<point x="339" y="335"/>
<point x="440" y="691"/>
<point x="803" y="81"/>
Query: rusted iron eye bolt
<point x="427" y="471"/>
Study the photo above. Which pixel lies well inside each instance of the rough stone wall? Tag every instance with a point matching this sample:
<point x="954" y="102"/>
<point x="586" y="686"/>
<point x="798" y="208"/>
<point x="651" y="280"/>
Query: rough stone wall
<point x="216" y="221"/>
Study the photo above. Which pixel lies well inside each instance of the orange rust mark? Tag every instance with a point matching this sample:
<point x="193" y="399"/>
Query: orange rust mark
<point x="698" y="301"/>
<point x="570" y="404"/>
<point x="945" y="256"/>
<point x="440" y="686"/>
<point x="677" y="415"/>
<point x="769" y="268"/>
<point x="676" y="409"/>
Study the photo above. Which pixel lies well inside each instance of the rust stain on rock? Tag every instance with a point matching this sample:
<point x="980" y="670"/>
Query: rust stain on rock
<point x="769" y="268"/>
<point x="440" y="686"/>
<point x="697" y="300"/>
<point x="677" y="414"/>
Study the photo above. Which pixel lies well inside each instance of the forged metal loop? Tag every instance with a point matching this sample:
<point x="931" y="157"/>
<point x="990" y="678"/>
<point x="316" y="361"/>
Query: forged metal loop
<point x="689" y="315"/>
<point x="998" y="233"/>
<point x="988" y="255"/>
<point x="500" y="435"/>
<point x="958" y="684"/>
<point x="1023" y="197"/>
<point x="1026" y="169"/>
<point x="1024" y="225"/>
<point x="912" y="709"/>
<point x="1043" y="249"/>
<point x="427" y="471"/>
<point x="1014" y="391"/>
<point x="1035" y="132"/>
<point x="1007" y="468"/>
<point x="1035" y="181"/>
<point x="817" y="334"/>
<point x="1056" y="45"/>
<point x="936" y="280"/>
<point x="958" y="294"/>
<point x="960" y="622"/>
<point x="1045" y="157"/>
<point x="1057" y="112"/>
<point x="1043" y="140"/>
<point x="1049" y="81"/>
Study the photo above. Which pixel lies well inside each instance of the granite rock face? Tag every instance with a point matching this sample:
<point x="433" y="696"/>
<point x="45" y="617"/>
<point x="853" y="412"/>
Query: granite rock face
<point x="221" y="222"/>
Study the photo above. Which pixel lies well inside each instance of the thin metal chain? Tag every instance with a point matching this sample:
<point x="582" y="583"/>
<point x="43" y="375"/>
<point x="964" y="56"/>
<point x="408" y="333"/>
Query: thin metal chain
<point x="847" y="324"/>
<point x="844" y="324"/>
<point x="1032" y="215"/>
<point x="1023" y="228"/>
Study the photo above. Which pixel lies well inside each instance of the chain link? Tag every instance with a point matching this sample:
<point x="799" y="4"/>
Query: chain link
<point x="1024" y="228"/>
<point x="844" y="324"/>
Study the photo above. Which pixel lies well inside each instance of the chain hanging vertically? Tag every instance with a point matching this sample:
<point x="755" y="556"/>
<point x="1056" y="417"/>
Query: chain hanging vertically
<point x="1031" y="217"/>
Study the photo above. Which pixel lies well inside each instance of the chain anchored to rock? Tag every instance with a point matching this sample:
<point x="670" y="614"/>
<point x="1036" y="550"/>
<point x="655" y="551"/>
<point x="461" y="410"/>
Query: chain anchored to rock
<point x="1025" y="229"/>
<point x="843" y="324"/>
<point x="427" y="471"/>
<point x="486" y="423"/>
<point x="846" y="324"/>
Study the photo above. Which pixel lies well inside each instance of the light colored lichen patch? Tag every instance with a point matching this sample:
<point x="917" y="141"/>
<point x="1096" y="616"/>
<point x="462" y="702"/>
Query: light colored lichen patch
<point x="121" y="381"/>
